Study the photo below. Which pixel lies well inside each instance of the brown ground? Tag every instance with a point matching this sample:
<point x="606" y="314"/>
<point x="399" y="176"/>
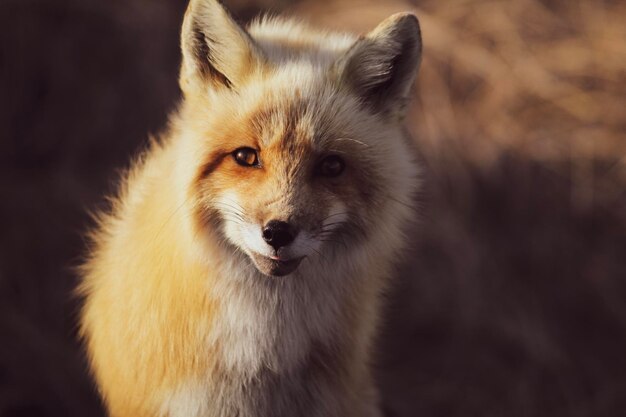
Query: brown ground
<point x="513" y="301"/>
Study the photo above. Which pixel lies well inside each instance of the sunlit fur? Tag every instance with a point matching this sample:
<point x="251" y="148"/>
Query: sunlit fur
<point x="178" y="320"/>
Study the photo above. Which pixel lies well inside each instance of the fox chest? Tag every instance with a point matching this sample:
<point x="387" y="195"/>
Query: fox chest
<point x="267" y="363"/>
<point x="312" y="389"/>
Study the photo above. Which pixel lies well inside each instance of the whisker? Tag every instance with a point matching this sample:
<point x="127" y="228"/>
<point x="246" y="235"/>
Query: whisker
<point x="229" y="205"/>
<point x="176" y="210"/>
<point x="328" y="227"/>
<point x="343" y="213"/>
<point x="353" y="140"/>
<point x="404" y="203"/>
<point x="231" y="214"/>
<point x="232" y="209"/>
<point x="233" y="219"/>
<point x="320" y="255"/>
<point x="335" y="241"/>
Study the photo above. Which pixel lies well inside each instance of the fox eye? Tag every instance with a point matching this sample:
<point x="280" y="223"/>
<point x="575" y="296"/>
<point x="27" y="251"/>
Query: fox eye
<point x="246" y="157"/>
<point x="331" y="166"/>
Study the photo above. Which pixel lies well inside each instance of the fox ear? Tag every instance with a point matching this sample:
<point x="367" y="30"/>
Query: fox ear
<point x="217" y="52"/>
<point x="381" y="67"/>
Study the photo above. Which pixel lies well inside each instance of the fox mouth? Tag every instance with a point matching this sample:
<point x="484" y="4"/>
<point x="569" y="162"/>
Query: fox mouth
<point x="275" y="267"/>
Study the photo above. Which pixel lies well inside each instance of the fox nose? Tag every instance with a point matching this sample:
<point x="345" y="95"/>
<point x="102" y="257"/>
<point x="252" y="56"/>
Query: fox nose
<point x="278" y="234"/>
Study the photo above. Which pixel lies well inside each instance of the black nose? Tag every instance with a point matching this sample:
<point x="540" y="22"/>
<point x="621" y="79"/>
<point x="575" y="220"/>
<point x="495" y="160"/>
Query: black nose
<point x="278" y="234"/>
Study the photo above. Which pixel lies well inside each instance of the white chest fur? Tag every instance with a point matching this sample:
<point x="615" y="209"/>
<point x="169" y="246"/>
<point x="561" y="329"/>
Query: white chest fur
<point x="275" y="340"/>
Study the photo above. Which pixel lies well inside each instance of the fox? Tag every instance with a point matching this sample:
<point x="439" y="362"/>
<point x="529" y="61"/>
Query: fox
<point x="241" y="268"/>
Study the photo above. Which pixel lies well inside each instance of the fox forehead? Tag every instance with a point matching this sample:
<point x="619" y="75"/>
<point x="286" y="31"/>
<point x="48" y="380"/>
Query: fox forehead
<point x="297" y="119"/>
<point x="308" y="111"/>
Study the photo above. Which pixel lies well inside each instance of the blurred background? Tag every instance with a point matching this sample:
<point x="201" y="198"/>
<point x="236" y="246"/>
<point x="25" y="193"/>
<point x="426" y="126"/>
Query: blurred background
<point x="513" y="299"/>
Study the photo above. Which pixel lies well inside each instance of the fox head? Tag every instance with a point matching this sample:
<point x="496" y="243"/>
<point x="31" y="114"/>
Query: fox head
<point x="294" y="139"/>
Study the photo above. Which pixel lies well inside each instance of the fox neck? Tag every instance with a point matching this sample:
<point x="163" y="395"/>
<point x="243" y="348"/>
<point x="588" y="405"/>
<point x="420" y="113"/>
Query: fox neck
<point x="277" y="322"/>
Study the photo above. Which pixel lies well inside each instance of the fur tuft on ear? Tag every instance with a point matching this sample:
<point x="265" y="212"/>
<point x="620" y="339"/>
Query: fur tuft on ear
<point x="217" y="52"/>
<point x="381" y="67"/>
